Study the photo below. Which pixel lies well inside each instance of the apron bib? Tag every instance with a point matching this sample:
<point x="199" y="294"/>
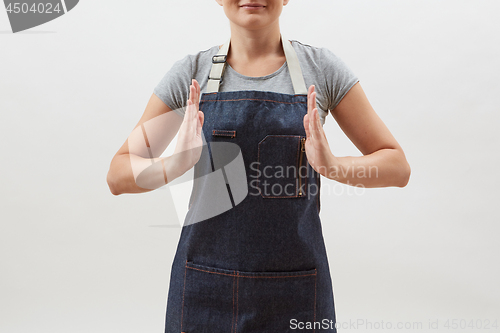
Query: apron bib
<point x="251" y="255"/>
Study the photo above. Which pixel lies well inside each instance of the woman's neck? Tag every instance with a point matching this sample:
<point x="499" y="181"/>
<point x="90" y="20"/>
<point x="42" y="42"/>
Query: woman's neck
<point x="254" y="46"/>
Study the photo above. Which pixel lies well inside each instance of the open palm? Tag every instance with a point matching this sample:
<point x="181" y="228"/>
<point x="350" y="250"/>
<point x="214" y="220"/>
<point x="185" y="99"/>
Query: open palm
<point x="189" y="142"/>
<point x="317" y="148"/>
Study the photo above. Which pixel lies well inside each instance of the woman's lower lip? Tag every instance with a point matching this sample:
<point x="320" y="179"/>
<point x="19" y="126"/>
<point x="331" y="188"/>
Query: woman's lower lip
<point x="252" y="7"/>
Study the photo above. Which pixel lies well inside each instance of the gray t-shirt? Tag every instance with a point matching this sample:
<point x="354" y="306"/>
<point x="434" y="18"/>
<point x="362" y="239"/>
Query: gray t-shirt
<point x="321" y="67"/>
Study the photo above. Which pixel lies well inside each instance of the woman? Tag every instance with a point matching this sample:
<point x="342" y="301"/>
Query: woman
<point x="252" y="258"/>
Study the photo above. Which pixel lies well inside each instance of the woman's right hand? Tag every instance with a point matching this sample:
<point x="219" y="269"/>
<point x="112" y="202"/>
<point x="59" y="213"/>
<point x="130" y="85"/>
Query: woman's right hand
<point x="189" y="141"/>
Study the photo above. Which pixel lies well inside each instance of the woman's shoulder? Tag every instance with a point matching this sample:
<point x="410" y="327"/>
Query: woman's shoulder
<point x="172" y="87"/>
<point x="320" y="62"/>
<point x="311" y="58"/>
<point x="319" y="58"/>
<point x="199" y="59"/>
<point x="317" y="54"/>
<point x="305" y="46"/>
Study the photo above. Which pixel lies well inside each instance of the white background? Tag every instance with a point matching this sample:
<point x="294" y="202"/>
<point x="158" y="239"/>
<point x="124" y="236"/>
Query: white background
<point x="75" y="258"/>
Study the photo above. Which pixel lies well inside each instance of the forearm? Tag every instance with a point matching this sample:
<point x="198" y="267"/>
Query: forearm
<point x="130" y="173"/>
<point x="383" y="168"/>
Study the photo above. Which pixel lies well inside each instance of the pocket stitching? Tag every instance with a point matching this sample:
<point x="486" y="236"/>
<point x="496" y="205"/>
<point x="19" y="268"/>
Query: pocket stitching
<point x="314" y="320"/>
<point x="252" y="275"/>
<point x="228" y="133"/>
<point x="183" y="292"/>
<point x="232" y="319"/>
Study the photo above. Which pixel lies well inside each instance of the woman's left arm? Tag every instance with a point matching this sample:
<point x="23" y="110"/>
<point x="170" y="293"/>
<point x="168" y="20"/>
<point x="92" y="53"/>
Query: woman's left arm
<point x="383" y="162"/>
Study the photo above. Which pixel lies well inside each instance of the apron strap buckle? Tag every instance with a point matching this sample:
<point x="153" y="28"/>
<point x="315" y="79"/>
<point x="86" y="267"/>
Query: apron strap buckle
<point x="216" y="59"/>
<point x="215" y="78"/>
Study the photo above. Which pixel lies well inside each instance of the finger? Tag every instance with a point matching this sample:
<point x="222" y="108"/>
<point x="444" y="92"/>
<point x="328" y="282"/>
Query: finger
<point x="192" y="92"/>
<point x="314" y="114"/>
<point x="194" y="100"/>
<point x="198" y="89"/>
<point x="198" y="96"/>
<point x="193" y="114"/>
<point x="195" y="91"/>
<point x="313" y="99"/>
<point x="309" y="92"/>
<point x="193" y="119"/>
<point x="306" y="126"/>
<point x="188" y="114"/>
<point x="315" y="120"/>
<point x="318" y="129"/>
<point x="201" y="119"/>
<point x="312" y="124"/>
<point x="185" y="126"/>
<point x="312" y="118"/>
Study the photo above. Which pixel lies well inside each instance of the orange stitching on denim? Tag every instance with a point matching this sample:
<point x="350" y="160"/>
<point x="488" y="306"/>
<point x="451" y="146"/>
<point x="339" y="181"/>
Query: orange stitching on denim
<point x="202" y="270"/>
<point x="318" y="194"/>
<point x="237" y="293"/>
<point x="296" y="162"/>
<point x="219" y="130"/>
<point x="232" y="319"/>
<point x="272" y="277"/>
<point x="249" y="99"/>
<point x="240" y="274"/>
<point x="283" y="135"/>
<point x="314" y="330"/>
<point x="307" y="171"/>
<point x="183" y="291"/>
<point x="258" y="161"/>
<point x="229" y="133"/>
<point x="306" y="177"/>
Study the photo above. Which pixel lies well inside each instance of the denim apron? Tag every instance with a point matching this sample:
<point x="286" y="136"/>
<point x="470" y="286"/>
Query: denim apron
<point x="252" y="258"/>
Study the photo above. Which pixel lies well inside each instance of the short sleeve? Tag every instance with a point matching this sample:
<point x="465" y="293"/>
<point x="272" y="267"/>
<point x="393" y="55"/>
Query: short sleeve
<point x="173" y="88"/>
<point x="338" y="76"/>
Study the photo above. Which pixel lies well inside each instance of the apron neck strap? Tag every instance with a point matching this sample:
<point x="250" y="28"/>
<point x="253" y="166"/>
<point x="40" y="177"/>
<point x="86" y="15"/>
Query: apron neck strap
<point x="219" y="64"/>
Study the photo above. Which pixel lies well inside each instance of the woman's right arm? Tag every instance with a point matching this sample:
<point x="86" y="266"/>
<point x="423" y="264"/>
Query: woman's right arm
<point x="137" y="167"/>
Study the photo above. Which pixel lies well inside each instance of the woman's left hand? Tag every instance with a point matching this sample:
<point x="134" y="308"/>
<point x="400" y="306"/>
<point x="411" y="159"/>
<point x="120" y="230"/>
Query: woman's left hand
<point x="318" y="151"/>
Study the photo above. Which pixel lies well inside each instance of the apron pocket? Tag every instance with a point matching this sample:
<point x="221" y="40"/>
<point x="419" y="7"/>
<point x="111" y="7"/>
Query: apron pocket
<point x="221" y="300"/>
<point x="282" y="166"/>
<point x="272" y="301"/>
<point x="208" y="301"/>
